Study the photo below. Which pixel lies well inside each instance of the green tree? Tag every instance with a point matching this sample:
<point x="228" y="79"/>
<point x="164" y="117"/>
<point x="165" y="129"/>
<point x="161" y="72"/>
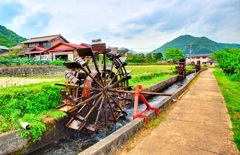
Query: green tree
<point x="149" y="57"/>
<point x="140" y="58"/>
<point x="228" y="60"/>
<point x="157" y="56"/>
<point x="173" y="54"/>
<point x="130" y="57"/>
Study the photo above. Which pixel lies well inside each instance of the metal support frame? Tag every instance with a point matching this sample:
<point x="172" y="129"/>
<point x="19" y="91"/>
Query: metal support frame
<point x="139" y="114"/>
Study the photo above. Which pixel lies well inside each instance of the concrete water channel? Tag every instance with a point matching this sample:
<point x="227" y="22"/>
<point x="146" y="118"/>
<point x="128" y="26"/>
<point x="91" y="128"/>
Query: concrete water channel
<point x="76" y="143"/>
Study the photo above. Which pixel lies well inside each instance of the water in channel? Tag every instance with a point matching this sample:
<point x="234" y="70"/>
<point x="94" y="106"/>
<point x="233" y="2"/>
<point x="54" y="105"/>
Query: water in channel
<point x="78" y="142"/>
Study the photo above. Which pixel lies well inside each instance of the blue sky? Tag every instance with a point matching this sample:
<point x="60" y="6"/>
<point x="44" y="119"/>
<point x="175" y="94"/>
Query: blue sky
<point x="140" y="25"/>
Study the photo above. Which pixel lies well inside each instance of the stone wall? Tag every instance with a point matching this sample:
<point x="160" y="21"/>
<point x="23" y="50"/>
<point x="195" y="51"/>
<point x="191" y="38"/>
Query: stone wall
<point x="31" y="70"/>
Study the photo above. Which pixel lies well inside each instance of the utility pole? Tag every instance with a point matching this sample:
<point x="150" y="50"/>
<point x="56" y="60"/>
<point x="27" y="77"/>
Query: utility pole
<point x="191" y="55"/>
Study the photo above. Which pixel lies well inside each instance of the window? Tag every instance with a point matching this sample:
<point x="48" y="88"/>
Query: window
<point x="31" y="45"/>
<point x="44" y="44"/>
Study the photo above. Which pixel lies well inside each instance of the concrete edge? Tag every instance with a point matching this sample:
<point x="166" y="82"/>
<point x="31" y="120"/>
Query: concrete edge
<point x="114" y="140"/>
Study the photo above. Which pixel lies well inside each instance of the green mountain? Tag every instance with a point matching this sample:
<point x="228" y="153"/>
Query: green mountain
<point x="9" y="38"/>
<point x="200" y="45"/>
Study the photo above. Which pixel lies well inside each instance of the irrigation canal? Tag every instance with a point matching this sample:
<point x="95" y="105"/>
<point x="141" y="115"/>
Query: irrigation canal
<point x="78" y="142"/>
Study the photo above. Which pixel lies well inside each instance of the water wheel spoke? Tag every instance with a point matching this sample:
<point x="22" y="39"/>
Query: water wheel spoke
<point x="98" y="114"/>
<point x="111" y="69"/>
<point x="116" y="74"/>
<point x="84" y="102"/>
<point x="116" y="103"/>
<point x="95" y="103"/>
<point x="111" y="108"/>
<point x="87" y="73"/>
<point x="97" y="69"/>
<point x="104" y="67"/>
<point x="122" y="79"/>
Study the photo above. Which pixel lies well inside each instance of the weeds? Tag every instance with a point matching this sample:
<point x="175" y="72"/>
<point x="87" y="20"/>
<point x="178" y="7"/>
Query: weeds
<point x="231" y="92"/>
<point x="28" y="104"/>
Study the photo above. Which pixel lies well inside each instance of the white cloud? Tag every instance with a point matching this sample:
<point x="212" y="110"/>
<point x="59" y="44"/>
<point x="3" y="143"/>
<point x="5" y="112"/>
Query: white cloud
<point x="140" y="24"/>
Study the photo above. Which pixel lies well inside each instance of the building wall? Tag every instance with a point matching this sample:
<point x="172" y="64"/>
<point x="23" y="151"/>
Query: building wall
<point x="202" y="59"/>
<point x="69" y="55"/>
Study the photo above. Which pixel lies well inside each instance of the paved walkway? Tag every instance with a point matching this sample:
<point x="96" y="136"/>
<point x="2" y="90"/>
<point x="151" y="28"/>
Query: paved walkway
<point x="198" y="125"/>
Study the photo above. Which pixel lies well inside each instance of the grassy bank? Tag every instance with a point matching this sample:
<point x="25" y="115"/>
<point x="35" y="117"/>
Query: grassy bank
<point x="30" y="103"/>
<point x="148" y="75"/>
<point x="231" y="92"/>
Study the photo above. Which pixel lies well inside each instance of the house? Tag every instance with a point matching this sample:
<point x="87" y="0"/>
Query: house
<point x="38" y="46"/>
<point x="3" y="50"/>
<point x="54" y="47"/>
<point x="205" y="59"/>
<point x="65" y="51"/>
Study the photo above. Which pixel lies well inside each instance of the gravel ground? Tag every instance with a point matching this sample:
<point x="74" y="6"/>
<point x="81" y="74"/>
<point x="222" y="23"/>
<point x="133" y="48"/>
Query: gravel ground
<point x="9" y="81"/>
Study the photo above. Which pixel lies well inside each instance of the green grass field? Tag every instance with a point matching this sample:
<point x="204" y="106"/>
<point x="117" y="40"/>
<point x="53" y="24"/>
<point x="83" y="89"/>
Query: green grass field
<point x="150" y="74"/>
<point x="231" y="92"/>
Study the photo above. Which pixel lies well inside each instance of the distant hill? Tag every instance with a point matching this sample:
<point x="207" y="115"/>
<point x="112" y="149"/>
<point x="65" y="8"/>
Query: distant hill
<point x="200" y="45"/>
<point x="9" y="38"/>
<point x="129" y="51"/>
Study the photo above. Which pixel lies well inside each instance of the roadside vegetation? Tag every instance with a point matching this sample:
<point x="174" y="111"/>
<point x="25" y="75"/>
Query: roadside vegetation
<point x="14" y="61"/>
<point x="228" y="78"/>
<point x="231" y="93"/>
<point x="30" y="103"/>
<point x="229" y="61"/>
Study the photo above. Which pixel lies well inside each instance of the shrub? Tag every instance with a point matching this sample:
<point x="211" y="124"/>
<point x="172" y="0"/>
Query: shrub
<point x="229" y="61"/>
<point x="21" y="104"/>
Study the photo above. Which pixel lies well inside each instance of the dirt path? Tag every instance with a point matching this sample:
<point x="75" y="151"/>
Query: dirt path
<point x="9" y="81"/>
<point x="198" y="125"/>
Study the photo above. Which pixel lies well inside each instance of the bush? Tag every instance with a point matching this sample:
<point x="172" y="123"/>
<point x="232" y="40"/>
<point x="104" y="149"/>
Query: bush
<point x="27" y="105"/>
<point x="229" y="61"/>
<point x="26" y="61"/>
<point x="57" y="62"/>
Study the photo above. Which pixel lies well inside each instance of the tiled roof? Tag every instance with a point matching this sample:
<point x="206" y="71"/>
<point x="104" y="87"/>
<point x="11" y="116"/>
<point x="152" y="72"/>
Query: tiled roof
<point x="17" y="46"/>
<point x="70" y="45"/>
<point x="199" y="55"/>
<point x="38" y="48"/>
<point x="33" y="52"/>
<point x="4" y="48"/>
<point x="45" y="38"/>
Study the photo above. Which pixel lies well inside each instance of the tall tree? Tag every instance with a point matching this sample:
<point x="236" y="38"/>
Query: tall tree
<point x="149" y="57"/>
<point x="228" y="60"/>
<point x="130" y="57"/>
<point x="173" y="54"/>
<point x="157" y="55"/>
